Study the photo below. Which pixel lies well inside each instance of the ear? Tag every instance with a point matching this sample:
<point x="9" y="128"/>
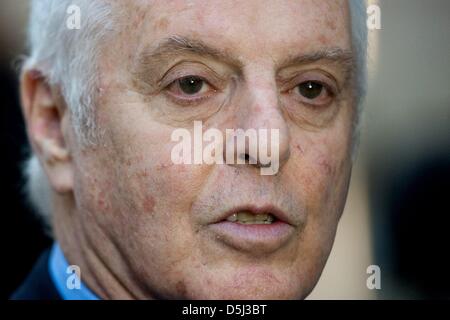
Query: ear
<point x="47" y="121"/>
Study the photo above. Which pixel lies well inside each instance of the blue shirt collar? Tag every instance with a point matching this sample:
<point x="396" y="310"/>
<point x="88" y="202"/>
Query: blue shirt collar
<point x="64" y="277"/>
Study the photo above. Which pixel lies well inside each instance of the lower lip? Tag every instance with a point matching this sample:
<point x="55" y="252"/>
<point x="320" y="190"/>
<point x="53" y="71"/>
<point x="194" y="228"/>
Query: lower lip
<point x="253" y="238"/>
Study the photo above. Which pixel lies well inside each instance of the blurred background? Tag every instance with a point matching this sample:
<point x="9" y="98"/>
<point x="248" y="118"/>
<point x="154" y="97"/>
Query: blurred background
<point x="397" y="216"/>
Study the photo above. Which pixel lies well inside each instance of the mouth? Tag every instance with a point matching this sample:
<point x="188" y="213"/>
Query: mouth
<point x="251" y="214"/>
<point x="250" y="218"/>
<point x="253" y="230"/>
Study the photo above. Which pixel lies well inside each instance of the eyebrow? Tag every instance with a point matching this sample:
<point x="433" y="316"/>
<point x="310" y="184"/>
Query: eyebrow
<point x="343" y="58"/>
<point x="179" y="45"/>
<point x="334" y="55"/>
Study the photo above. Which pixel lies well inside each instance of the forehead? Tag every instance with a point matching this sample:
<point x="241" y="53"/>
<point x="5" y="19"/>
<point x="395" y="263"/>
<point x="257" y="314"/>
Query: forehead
<point x="251" y="27"/>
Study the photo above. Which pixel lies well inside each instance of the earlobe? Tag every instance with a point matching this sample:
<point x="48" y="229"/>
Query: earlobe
<point x="45" y="115"/>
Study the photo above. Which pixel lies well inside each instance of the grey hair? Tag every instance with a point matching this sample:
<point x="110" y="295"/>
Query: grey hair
<point x="55" y="53"/>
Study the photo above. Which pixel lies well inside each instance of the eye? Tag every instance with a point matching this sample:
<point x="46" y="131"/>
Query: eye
<point x="190" y="85"/>
<point x="311" y="89"/>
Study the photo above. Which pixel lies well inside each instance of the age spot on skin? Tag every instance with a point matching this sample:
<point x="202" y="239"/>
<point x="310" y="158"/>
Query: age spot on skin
<point x="331" y="24"/>
<point x="148" y="203"/>
<point x="181" y="288"/>
<point x="324" y="164"/>
<point x="102" y="202"/>
<point x="322" y="39"/>
<point x="162" y="24"/>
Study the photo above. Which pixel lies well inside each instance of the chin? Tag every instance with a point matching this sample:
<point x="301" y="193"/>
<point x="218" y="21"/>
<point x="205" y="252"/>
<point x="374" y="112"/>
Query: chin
<point x="251" y="284"/>
<point x="256" y="292"/>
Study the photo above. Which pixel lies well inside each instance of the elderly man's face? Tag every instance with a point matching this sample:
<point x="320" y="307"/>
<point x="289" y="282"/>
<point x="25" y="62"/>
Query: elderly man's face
<point x="160" y="227"/>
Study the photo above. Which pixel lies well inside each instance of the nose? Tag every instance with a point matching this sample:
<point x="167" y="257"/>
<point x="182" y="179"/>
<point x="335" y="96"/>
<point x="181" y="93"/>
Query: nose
<point x="261" y="138"/>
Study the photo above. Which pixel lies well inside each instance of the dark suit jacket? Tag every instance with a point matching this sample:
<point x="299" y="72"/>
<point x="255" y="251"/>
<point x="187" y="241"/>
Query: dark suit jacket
<point x="38" y="285"/>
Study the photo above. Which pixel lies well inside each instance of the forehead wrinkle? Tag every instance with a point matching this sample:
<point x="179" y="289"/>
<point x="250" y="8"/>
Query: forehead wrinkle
<point x="179" y="45"/>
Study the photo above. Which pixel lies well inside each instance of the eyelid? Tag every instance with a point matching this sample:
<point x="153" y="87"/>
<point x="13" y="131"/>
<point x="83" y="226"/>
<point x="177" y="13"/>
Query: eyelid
<point x="322" y="77"/>
<point x="185" y="99"/>
<point x="188" y="68"/>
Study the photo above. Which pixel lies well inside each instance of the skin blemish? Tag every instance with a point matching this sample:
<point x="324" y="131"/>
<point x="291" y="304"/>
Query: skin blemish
<point x="181" y="288"/>
<point x="322" y="39"/>
<point x="200" y="18"/>
<point x="331" y="24"/>
<point x="148" y="204"/>
<point x="162" y="24"/>
<point x="102" y="202"/>
<point x="144" y="173"/>
<point x="162" y="166"/>
<point x="299" y="148"/>
<point x="324" y="164"/>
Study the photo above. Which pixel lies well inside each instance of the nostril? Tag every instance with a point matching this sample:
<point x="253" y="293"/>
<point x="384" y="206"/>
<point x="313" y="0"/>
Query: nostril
<point x="248" y="159"/>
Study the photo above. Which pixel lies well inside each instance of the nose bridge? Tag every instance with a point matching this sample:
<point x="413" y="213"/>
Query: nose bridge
<point x="261" y="107"/>
<point x="260" y="111"/>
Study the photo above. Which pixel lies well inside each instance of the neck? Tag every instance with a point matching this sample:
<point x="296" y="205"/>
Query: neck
<point x="85" y="244"/>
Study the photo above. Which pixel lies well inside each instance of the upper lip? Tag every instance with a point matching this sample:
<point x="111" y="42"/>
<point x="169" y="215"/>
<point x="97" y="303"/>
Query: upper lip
<point x="278" y="213"/>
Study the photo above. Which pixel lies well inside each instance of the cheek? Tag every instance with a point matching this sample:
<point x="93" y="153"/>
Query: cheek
<point x="323" y="167"/>
<point x="148" y="204"/>
<point x="147" y="183"/>
<point x="323" y="164"/>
